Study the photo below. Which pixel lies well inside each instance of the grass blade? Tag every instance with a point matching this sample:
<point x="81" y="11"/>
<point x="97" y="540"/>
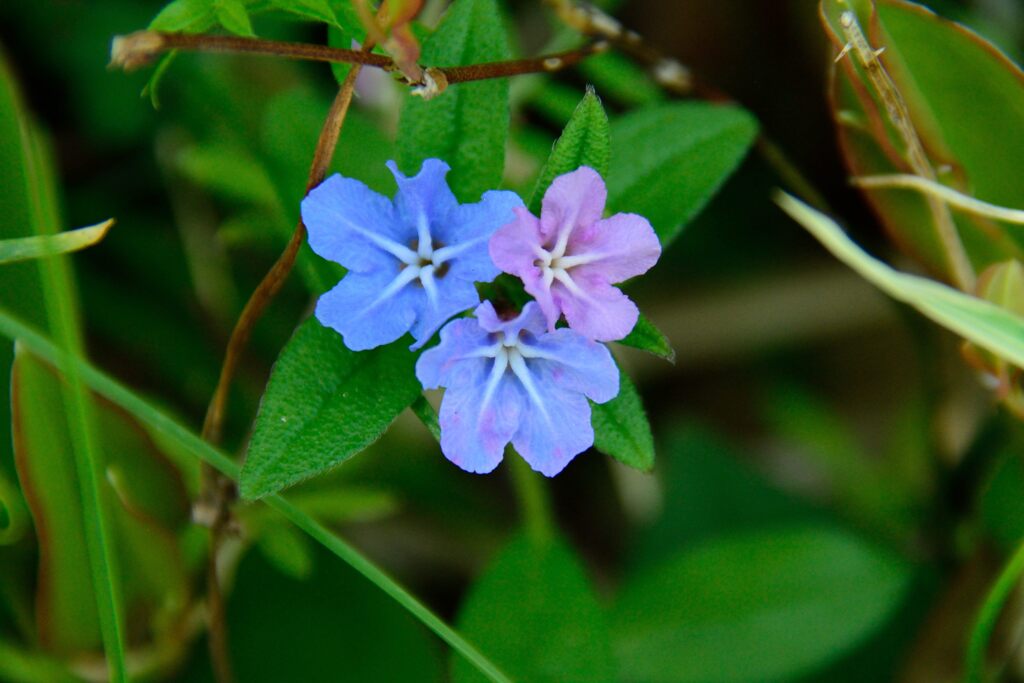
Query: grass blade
<point x="25" y="248"/>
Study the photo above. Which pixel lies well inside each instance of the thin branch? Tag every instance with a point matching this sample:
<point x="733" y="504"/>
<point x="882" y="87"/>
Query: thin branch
<point x="222" y="490"/>
<point x="899" y="115"/>
<point x="935" y="189"/>
<point x="667" y="72"/>
<point x="141" y="48"/>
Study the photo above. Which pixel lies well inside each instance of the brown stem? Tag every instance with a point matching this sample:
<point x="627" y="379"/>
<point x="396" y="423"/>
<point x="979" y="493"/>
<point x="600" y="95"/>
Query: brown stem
<point x="139" y="49"/>
<point x="548" y="63"/>
<point x="253" y="311"/>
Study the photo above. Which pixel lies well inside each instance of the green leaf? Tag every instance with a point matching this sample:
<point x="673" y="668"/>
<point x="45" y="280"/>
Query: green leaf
<point x="323" y="405"/>
<point x="767" y="605"/>
<point x="534" y="612"/>
<point x="186" y="16"/>
<point x="994" y="329"/>
<point x="317" y="10"/>
<point x="646" y="337"/>
<point x="621" y="429"/>
<point x="584" y="142"/>
<point x="227" y="169"/>
<point x="233" y="16"/>
<point x="286" y="549"/>
<point x="25" y="248"/>
<point x="467" y="125"/>
<point x="965" y="99"/>
<point x="668" y="161"/>
<point x="709" y="490"/>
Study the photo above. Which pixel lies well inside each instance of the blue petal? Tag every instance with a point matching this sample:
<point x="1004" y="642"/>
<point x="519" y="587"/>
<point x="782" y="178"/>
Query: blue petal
<point x="424" y="201"/>
<point x="554" y="428"/>
<point x="351" y="224"/>
<point x="568" y="360"/>
<point x="478" y="416"/>
<point x="460" y="340"/>
<point x="467" y="233"/>
<point x="365" y="312"/>
<point x="448" y="296"/>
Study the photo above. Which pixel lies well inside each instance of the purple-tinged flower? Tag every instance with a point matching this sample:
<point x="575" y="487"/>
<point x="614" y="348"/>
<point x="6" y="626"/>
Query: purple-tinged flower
<point x="570" y="257"/>
<point x="514" y="381"/>
<point x="412" y="262"/>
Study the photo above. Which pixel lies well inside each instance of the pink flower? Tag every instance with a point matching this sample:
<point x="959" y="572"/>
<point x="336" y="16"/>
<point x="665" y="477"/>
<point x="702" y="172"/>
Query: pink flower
<point x="570" y="258"/>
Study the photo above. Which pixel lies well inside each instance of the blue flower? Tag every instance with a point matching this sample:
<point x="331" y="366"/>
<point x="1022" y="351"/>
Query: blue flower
<point x="412" y="262"/>
<point x="515" y="381"/>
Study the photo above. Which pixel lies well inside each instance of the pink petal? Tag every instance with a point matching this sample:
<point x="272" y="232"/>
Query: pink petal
<point x="622" y="246"/>
<point x="513" y="246"/>
<point x="600" y="312"/>
<point x="573" y="200"/>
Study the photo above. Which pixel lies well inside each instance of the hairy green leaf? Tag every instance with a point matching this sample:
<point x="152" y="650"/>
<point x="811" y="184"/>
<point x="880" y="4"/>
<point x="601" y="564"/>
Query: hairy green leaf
<point x="467" y="125"/>
<point x="323" y="405"/>
<point x="765" y="605"/>
<point x="316" y="10"/>
<point x="233" y="16"/>
<point x="621" y="429"/>
<point x="584" y="142"/>
<point x="186" y="16"/>
<point x="669" y="160"/>
<point x="646" y="337"/>
<point x="534" y="612"/>
<point x="25" y="248"/>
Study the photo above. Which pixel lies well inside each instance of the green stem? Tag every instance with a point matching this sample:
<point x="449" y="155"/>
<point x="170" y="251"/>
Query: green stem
<point x="171" y="429"/>
<point x="63" y="321"/>
<point x="534" y="502"/>
<point x="988" y="615"/>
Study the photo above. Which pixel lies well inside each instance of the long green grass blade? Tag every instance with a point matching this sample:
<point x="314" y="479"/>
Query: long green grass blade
<point x="988" y="615"/>
<point x="169" y="427"/>
<point x="38" y="246"/>
<point x="58" y="295"/>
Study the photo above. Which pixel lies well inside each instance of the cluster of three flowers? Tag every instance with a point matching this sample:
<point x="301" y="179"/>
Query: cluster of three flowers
<point x="412" y="264"/>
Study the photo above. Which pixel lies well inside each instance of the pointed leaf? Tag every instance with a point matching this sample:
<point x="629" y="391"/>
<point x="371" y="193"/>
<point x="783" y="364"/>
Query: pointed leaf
<point x="584" y="142"/>
<point x="669" y="160"/>
<point x="621" y="429"/>
<point x="24" y="248"/>
<point x="323" y="405"/>
<point x="646" y="337"/>
<point x="233" y="16"/>
<point x="467" y="125"/>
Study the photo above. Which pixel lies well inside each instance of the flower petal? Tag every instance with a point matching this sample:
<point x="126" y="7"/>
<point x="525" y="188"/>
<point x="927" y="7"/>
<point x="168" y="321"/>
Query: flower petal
<point x="444" y="297"/>
<point x="570" y="361"/>
<point x="572" y="200"/>
<point x="467" y="233"/>
<point x="596" y="309"/>
<point x="352" y="225"/>
<point x="619" y="247"/>
<point x="370" y="309"/>
<point x="555" y="429"/>
<point x="531" y="319"/>
<point x="460" y="340"/>
<point x="424" y="202"/>
<point x="479" y="414"/>
<point x="514" y="246"/>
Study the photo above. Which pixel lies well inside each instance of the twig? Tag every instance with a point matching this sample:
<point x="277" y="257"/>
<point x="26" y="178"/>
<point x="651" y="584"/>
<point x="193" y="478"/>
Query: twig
<point x="667" y="72"/>
<point x="141" y="48"/>
<point x="946" y="194"/>
<point x="899" y="115"/>
<point x="271" y="284"/>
